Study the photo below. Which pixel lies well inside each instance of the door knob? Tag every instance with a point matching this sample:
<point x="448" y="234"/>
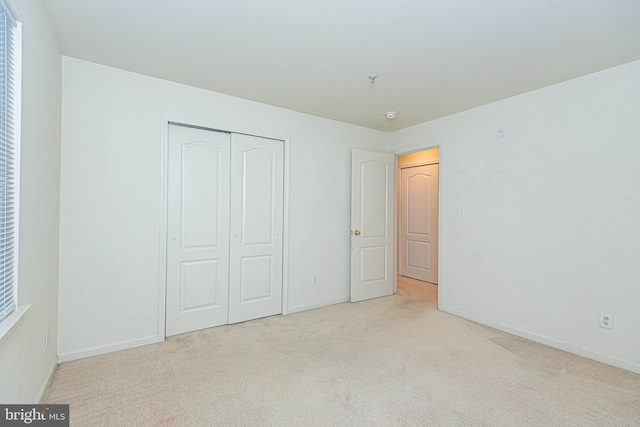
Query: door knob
<point x="357" y="232"/>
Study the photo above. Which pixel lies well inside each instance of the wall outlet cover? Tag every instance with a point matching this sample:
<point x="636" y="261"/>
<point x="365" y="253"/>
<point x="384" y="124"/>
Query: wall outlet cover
<point x="606" y="320"/>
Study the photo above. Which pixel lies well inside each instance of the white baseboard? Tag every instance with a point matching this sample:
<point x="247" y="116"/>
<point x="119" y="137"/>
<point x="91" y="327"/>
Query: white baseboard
<point x="561" y="345"/>
<point x="52" y="369"/>
<point x="68" y="357"/>
<point x="311" y="306"/>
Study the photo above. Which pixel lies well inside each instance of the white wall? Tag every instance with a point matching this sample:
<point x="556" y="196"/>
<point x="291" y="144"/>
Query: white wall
<point x="25" y="365"/>
<point x="551" y="236"/>
<point x="111" y="195"/>
<point x="418" y="158"/>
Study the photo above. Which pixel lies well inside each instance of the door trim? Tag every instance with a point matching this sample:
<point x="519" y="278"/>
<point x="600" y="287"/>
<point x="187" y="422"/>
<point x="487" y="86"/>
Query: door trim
<point x="441" y="242"/>
<point x="163" y="208"/>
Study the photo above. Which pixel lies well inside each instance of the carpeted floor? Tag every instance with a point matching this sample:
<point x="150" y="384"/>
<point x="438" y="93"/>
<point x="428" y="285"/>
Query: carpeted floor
<point x="393" y="361"/>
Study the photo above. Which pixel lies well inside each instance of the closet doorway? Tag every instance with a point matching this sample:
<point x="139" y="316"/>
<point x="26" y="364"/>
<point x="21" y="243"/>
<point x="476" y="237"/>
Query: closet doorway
<point x="418" y="213"/>
<point x="224" y="228"/>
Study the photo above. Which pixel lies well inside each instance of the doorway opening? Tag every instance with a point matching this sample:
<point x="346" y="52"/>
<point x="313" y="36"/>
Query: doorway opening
<point x="417" y="203"/>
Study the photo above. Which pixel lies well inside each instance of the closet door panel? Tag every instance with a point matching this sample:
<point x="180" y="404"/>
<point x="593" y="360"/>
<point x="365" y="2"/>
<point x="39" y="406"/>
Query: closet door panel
<point x="197" y="229"/>
<point x="257" y="180"/>
<point x="257" y="204"/>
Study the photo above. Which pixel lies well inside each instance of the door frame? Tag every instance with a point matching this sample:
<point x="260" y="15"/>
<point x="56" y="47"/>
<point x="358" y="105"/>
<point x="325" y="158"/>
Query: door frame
<point x="441" y="164"/>
<point x="163" y="208"/>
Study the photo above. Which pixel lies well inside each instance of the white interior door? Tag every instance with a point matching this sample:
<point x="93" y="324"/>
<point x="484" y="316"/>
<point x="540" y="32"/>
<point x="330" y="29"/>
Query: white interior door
<point x="372" y="231"/>
<point x="198" y="224"/>
<point x="419" y="222"/>
<point x="256" y="227"/>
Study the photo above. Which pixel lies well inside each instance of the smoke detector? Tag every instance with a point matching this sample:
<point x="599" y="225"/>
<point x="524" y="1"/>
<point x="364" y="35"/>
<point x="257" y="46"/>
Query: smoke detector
<point x="391" y="115"/>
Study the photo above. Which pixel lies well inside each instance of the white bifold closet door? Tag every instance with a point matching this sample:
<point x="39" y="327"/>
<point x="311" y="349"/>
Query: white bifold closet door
<point x="225" y="210"/>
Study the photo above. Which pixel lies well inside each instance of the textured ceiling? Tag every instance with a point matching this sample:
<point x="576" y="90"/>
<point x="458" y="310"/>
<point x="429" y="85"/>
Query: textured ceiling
<point x="432" y="58"/>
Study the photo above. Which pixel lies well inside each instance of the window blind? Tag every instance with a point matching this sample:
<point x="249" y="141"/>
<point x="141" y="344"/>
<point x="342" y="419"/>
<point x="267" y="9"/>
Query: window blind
<point x="8" y="161"/>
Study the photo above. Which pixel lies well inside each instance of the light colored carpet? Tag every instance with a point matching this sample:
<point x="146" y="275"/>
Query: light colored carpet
<point x="394" y="361"/>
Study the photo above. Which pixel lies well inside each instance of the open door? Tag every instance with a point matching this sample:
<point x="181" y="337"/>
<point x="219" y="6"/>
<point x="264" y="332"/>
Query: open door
<point x="372" y="231"/>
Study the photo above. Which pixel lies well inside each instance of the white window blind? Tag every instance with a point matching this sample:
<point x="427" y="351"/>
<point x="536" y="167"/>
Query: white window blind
<point x="8" y="163"/>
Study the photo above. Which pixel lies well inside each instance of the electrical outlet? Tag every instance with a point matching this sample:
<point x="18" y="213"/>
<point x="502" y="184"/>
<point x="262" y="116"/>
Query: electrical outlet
<point x="462" y="211"/>
<point x="46" y="338"/>
<point x="314" y="280"/>
<point x="606" y="320"/>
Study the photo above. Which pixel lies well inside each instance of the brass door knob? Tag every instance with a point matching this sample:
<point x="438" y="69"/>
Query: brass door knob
<point x="357" y="232"/>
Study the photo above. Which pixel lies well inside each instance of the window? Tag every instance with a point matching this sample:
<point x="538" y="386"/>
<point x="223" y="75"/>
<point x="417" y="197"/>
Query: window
<point x="9" y="160"/>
